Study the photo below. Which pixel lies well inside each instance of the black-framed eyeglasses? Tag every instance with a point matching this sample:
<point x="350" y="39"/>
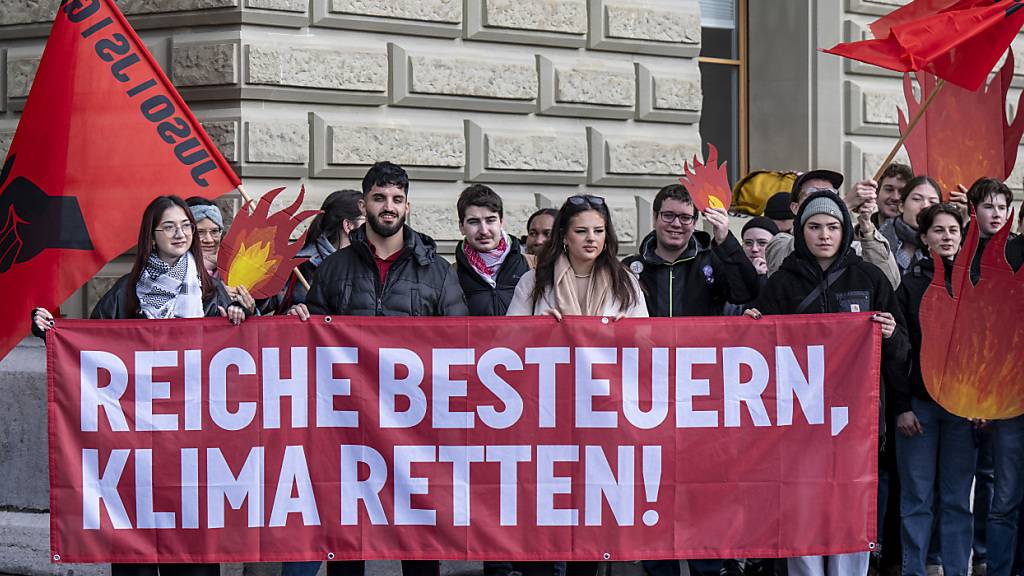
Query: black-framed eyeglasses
<point x="581" y="199"/>
<point x="669" y="217"/>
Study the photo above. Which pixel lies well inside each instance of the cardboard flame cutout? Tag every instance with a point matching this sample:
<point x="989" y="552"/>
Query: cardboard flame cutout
<point x="963" y="135"/>
<point x="708" y="183"/>
<point x="968" y="341"/>
<point x="256" y="252"/>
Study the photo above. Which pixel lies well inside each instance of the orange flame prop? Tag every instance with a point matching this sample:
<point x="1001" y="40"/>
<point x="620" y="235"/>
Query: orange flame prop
<point x="256" y="252"/>
<point x="968" y="340"/>
<point x="708" y="183"/>
<point x="963" y="135"/>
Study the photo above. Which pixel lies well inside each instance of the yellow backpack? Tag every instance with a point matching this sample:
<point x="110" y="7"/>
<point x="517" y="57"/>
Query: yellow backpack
<point x="750" y="194"/>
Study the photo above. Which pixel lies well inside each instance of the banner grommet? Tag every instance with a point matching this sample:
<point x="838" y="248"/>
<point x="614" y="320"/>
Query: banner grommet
<point x="330" y="555"/>
<point x="327" y="319"/>
<point x="56" y="557"/>
<point x="606" y="555"/>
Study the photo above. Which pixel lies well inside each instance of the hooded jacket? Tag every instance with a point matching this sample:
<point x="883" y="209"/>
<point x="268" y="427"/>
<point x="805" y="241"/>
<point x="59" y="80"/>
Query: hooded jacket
<point x="858" y="286"/>
<point x="915" y="284"/>
<point x="419" y="283"/>
<point x="483" y="299"/>
<point x="699" y="283"/>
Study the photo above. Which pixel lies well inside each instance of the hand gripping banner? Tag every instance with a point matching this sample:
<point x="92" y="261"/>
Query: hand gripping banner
<point x="462" y="438"/>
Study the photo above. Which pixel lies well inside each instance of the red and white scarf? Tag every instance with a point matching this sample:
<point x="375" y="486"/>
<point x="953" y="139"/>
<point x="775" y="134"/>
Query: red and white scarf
<point x="487" y="264"/>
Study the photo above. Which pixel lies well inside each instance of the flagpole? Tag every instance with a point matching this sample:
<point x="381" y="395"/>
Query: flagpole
<point x="249" y="202"/>
<point x="910" y="127"/>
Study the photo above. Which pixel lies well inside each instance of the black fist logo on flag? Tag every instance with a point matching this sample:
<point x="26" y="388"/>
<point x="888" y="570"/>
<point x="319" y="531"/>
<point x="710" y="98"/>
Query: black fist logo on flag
<point x="34" y="221"/>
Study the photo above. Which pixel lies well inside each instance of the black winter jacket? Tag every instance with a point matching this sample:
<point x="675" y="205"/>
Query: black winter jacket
<point x="859" y="287"/>
<point x="112" y="306"/>
<point x="419" y="282"/>
<point x="699" y="283"/>
<point x="915" y="283"/>
<point x="482" y="299"/>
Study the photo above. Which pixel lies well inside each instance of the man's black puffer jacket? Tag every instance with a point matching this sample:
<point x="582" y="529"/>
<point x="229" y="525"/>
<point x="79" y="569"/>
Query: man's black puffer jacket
<point x="482" y="299"/>
<point x="112" y="305"/>
<point x="419" y="282"/>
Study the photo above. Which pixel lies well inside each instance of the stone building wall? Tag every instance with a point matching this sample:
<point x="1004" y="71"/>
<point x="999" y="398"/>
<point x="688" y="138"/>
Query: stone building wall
<point x="541" y="99"/>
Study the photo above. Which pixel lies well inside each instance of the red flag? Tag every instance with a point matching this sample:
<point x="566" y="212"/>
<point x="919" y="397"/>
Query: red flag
<point x="257" y="253"/>
<point x="708" y="183"/>
<point x="960" y="44"/>
<point x="913" y="11"/>
<point x="103" y="133"/>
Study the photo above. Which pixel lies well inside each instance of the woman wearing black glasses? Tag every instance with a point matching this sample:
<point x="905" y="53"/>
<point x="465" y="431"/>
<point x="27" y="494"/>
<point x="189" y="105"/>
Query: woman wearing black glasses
<point x="577" y="271"/>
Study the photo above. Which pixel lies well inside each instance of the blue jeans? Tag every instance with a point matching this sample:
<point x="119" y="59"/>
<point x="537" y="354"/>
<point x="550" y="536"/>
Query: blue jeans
<point x="1007" y="459"/>
<point x="300" y="568"/>
<point x="983" y="478"/>
<point x="945" y="449"/>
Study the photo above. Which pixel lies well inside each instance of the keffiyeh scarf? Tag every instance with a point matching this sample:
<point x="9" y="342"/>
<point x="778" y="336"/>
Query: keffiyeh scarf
<point x="167" y="291"/>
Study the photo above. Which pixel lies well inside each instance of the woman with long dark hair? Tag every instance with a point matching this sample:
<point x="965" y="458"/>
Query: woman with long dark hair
<point x="167" y="280"/>
<point x="578" y="272"/>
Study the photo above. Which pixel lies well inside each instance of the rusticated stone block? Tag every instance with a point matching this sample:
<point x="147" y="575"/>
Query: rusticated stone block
<point x="594" y="84"/>
<point x="473" y="77"/>
<point x="20" y="74"/>
<point x="282" y="5"/>
<point x="26" y="11"/>
<point x="155" y="6"/>
<point x="537" y="152"/>
<point x="882" y="107"/>
<point x="435" y="219"/>
<point x="407" y="146"/>
<point x="566" y="16"/>
<point x="224" y="134"/>
<point x="678" y="25"/>
<point x="678" y="93"/>
<point x="873" y="159"/>
<point x="426" y="10"/>
<point x="339" y="69"/>
<point x="650" y="157"/>
<point x="624" y="218"/>
<point x="204" y="64"/>
<point x="277" y="142"/>
<point x="6" y="137"/>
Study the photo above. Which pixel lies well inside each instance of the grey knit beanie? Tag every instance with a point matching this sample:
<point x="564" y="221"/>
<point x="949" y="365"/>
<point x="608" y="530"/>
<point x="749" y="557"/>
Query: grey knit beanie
<point x="825" y="204"/>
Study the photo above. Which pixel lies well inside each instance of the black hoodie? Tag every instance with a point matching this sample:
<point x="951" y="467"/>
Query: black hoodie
<point x="858" y="286"/>
<point x="699" y="283"/>
<point x="419" y="282"/>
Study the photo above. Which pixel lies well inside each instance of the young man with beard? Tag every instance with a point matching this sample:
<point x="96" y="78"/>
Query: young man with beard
<point x="688" y="272"/>
<point x="489" y="261"/>
<point x="388" y="269"/>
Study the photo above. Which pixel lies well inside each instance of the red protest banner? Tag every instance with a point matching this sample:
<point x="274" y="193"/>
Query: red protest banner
<point x="452" y="438"/>
<point x="103" y="133"/>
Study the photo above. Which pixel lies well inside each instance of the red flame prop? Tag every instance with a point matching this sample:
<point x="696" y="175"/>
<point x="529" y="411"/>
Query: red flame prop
<point x="256" y="252"/>
<point x="708" y="183"/>
<point x="968" y="340"/>
<point x="963" y="135"/>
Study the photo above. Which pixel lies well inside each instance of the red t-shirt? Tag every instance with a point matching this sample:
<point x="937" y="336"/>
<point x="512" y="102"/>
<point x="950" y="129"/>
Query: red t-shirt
<point x="383" y="264"/>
